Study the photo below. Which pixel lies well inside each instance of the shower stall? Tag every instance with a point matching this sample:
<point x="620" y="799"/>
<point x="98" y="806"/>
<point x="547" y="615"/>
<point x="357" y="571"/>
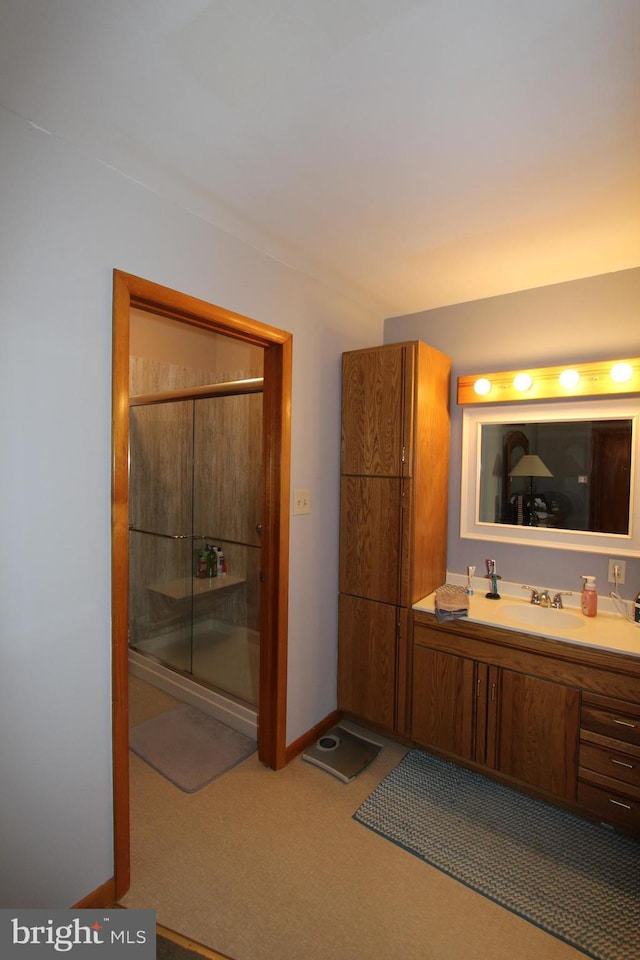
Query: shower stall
<point x="194" y="545"/>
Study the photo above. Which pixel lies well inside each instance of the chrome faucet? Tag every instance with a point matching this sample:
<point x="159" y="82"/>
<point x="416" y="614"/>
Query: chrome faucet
<point x="542" y="598"/>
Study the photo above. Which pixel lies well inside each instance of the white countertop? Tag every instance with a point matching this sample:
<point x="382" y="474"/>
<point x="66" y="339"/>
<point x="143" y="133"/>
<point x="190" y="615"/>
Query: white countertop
<point x="608" y="630"/>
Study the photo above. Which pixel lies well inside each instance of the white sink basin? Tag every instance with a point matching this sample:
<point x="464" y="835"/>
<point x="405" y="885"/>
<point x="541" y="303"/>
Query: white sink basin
<point x="544" y="618"/>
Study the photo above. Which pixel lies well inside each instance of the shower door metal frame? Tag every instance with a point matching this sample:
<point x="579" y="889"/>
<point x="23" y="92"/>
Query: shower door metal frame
<point x="130" y="291"/>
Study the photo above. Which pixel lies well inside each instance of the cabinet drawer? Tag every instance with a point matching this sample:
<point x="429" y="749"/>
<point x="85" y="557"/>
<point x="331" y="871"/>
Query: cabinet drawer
<point x="610" y="805"/>
<point x="611" y="763"/>
<point x="610" y="723"/>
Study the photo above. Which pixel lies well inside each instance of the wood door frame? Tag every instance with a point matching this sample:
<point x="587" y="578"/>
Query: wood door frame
<point x="131" y="291"/>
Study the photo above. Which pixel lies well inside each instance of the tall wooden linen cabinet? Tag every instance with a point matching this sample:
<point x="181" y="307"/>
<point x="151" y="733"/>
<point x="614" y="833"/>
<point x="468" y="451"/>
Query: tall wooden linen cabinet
<point x="393" y="520"/>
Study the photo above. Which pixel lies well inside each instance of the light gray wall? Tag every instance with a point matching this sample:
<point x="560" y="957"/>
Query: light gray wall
<point x="592" y="319"/>
<point x="66" y="221"/>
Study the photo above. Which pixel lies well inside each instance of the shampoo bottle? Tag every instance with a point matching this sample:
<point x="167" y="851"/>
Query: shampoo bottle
<point x="589" y="597"/>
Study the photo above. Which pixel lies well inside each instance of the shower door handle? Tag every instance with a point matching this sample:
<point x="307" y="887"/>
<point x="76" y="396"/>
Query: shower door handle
<point x="167" y="536"/>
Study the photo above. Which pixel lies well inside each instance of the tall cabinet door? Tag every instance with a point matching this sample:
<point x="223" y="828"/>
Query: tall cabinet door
<point x="376" y="412"/>
<point x="371" y="538"/>
<point x="367" y="664"/>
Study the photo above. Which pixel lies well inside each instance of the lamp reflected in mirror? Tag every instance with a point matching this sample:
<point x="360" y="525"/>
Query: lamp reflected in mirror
<point x="528" y="509"/>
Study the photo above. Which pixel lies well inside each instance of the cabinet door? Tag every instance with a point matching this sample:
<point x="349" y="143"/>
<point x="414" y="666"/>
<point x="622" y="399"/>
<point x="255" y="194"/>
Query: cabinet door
<point x="534" y="726"/>
<point x="373" y="411"/>
<point x="371" y="538"/>
<point x="367" y="660"/>
<point x="444" y="701"/>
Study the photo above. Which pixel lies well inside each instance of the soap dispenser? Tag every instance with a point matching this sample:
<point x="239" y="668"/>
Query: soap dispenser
<point x="589" y="600"/>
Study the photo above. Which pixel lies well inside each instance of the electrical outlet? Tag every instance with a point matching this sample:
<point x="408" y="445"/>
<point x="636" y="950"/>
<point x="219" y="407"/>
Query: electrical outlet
<point x="622" y="571"/>
<point x="301" y="502"/>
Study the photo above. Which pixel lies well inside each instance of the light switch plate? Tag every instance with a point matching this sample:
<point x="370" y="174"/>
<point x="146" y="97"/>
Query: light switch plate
<point x="301" y="502"/>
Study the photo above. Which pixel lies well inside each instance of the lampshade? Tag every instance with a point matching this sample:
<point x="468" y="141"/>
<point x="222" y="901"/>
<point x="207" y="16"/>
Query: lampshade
<point x="530" y="465"/>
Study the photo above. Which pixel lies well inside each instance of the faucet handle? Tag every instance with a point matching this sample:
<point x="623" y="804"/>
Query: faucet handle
<point x="535" y="596"/>
<point x="557" y="598"/>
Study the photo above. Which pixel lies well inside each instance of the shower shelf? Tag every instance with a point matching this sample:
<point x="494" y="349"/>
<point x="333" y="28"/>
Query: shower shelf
<point x="184" y="587"/>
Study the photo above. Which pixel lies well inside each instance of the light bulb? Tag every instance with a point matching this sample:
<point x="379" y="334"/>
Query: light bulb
<point x="569" y="378"/>
<point x="621" y="372"/>
<point x="482" y="387"/>
<point x="522" y="382"/>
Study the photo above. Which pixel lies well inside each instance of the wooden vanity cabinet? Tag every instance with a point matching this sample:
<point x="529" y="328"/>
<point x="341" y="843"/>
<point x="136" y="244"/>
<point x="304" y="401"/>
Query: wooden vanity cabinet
<point x="558" y="720"/>
<point x="533" y="731"/>
<point x="522" y="726"/>
<point x="393" y="519"/>
<point x="444" y="705"/>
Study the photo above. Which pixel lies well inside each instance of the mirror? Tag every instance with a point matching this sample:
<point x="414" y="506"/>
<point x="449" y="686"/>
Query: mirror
<point x="553" y="474"/>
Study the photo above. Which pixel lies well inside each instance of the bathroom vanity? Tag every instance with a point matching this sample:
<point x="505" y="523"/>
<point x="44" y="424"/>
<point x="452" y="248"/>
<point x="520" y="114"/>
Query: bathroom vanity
<point x="545" y="700"/>
<point x="552" y="707"/>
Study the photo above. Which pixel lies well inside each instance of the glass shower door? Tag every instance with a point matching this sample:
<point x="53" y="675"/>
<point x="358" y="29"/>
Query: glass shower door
<point x="160" y="532"/>
<point x="227" y="441"/>
<point x="194" y="556"/>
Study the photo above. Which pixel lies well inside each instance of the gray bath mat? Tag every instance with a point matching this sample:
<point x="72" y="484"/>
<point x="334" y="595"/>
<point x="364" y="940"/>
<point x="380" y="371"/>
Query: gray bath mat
<point x="188" y="747"/>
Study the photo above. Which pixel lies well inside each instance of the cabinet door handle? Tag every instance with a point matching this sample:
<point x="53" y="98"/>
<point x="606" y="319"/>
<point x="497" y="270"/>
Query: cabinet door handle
<point x="493" y="692"/>
<point x="620" y="763"/>
<point x="625" y="723"/>
<point x="478" y="688"/>
<point x="619" y="803"/>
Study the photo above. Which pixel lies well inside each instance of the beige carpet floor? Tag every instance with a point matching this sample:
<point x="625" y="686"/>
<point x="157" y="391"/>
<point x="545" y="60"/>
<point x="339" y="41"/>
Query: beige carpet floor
<point x="265" y="865"/>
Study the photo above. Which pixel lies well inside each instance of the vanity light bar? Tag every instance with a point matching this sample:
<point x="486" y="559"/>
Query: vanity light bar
<point x="607" y="377"/>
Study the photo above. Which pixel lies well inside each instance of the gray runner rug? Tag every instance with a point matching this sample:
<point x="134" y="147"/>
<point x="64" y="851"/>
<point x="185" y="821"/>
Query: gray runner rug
<point x="573" y="878"/>
<point x="188" y="747"/>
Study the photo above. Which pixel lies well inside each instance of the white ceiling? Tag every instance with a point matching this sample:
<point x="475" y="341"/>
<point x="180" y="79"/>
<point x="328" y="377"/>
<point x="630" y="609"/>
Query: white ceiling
<point x="414" y="152"/>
